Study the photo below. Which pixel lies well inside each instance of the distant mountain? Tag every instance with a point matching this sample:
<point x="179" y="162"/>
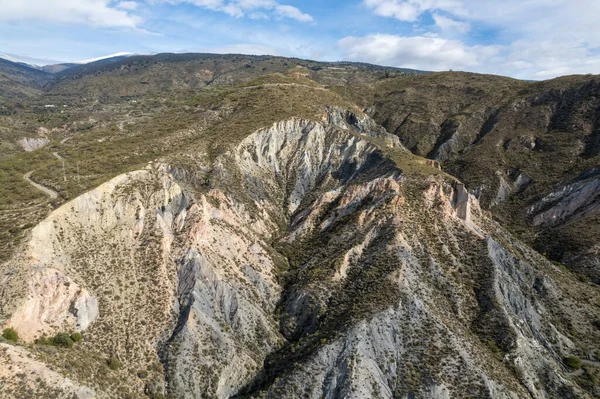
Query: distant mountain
<point x="57" y="68"/>
<point x="115" y="55"/>
<point x="128" y="74"/>
<point x="54" y="66"/>
<point x="137" y="74"/>
<point x="32" y="61"/>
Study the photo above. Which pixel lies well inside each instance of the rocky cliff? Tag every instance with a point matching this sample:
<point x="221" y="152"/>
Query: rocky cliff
<point x="313" y="258"/>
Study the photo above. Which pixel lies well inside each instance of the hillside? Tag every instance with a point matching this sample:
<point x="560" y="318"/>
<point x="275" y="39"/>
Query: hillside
<point x="263" y="227"/>
<point x="529" y="151"/>
<point x="18" y="81"/>
<point x="139" y="75"/>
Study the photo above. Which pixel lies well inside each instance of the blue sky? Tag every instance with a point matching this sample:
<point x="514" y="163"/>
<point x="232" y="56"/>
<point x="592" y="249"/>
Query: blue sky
<point x="530" y="39"/>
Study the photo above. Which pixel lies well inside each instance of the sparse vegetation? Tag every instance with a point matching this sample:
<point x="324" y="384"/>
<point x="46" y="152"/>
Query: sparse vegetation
<point x="10" y="334"/>
<point x="76" y="337"/>
<point x="573" y="362"/>
<point x="63" y="340"/>
<point x="113" y="363"/>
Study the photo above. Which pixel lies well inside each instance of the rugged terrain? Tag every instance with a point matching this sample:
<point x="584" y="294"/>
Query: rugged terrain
<point x="263" y="236"/>
<point x="529" y="151"/>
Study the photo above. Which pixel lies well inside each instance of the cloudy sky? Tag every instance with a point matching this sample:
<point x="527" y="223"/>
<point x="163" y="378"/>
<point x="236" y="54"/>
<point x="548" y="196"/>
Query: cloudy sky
<point x="530" y="39"/>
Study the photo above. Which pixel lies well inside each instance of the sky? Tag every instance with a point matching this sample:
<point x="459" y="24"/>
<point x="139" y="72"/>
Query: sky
<point x="525" y="39"/>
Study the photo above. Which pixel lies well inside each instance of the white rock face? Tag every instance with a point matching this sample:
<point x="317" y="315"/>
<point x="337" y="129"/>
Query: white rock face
<point x="30" y="144"/>
<point x="568" y="203"/>
<point x="508" y="184"/>
<point x="53" y="300"/>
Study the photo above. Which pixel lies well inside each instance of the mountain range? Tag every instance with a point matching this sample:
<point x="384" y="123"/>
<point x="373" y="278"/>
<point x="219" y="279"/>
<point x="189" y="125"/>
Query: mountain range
<point x="234" y="226"/>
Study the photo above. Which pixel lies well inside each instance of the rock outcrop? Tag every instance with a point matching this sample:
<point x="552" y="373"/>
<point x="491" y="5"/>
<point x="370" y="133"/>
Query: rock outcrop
<point x="31" y="144"/>
<point x="54" y="301"/>
<point x="570" y="202"/>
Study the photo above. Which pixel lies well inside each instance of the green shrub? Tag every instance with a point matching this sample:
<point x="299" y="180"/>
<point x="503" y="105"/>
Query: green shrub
<point x="62" y="340"/>
<point x="573" y="362"/>
<point x="113" y="363"/>
<point x="142" y="374"/>
<point x="43" y="340"/>
<point x="10" y="334"/>
<point x="77" y="337"/>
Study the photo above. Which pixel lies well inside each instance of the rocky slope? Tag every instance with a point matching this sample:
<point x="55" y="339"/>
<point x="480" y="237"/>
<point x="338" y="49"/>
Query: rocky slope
<point x="311" y="258"/>
<point x="517" y="145"/>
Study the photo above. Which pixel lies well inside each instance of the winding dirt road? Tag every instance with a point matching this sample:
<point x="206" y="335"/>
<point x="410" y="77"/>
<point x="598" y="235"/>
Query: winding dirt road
<point x="48" y="191"/>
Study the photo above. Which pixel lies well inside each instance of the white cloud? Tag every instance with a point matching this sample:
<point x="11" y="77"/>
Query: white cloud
<point x="96" y="13"/>
<point x="292" y="12"/>
<point x="410" y="10"/>
<point x="449" y="25"/>
<point x="258" y="15"/>
<point x="418" y="52"/>
<point x="404" y="11"/>
<point x="128" y="5"/>
<point x="541" y="38"/>
<point x="250" y="49"/>
<point x="254" y="9"/>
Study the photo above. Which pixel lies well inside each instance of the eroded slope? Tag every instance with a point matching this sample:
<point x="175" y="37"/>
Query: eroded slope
<point x="314" y="258"/>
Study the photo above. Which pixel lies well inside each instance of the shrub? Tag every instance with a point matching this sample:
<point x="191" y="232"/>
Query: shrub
<point x="573" y="362"/>
<point x="142" y="374"/>
<point x="113" y="363"/>
<point x="62" y="340"/>
<point x="77" y="337"/>
<point x="10" y="334"/>
<point x="43" y="340"/>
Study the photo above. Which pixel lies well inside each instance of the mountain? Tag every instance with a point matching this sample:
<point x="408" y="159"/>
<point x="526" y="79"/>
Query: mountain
<point x="31" y="61"/>
<point x="20" y="81"/>
<point x="231" y="226"/>
<point x="139" y="75"/>
<point x="54" y="67"/>
<point x="57" y="68"/>
<point x="120" y="55"/>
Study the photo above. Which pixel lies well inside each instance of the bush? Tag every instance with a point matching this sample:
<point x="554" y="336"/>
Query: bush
<point x="10" y="334"/>
<point x="77" y="337"/>
<point x="113" y="363"/>
<point x="142" y="374"/>
<point x="62" y="340"/>
<point x="43" y="340"/>
<point x="573" y="362"/>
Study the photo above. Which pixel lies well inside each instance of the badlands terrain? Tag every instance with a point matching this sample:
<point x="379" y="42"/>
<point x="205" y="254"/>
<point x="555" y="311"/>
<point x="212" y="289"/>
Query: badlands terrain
<point x="228" y="226"/>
